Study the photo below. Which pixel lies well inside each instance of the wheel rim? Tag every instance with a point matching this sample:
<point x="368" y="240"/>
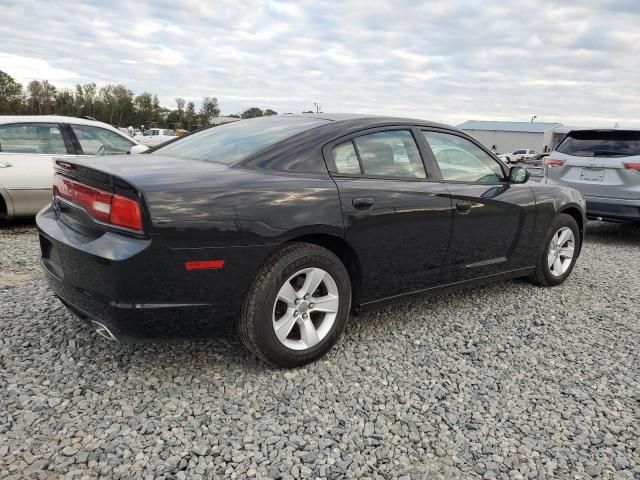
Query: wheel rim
<point x="305" y="308"/>
<point x="561" y="251"/>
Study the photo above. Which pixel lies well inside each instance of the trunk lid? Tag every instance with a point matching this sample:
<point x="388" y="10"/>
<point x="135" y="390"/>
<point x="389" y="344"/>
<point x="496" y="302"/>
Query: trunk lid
<point x="153" y="172"/>
<point x="158" y="183"/>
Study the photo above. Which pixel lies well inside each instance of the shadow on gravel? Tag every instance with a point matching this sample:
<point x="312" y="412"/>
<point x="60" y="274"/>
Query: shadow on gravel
<point x="603" y="232"/>
<point x="17" y="223"/>
<point x="179" y="356"/>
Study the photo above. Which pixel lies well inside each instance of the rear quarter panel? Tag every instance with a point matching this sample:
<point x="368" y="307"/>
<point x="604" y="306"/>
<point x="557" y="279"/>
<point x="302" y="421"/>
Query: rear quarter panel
<point x="243" y="216"/>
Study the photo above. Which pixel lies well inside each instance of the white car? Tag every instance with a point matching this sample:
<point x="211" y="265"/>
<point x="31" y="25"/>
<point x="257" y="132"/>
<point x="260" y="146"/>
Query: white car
<point x="155" y="136"/>
<point x="518" y="155"/>
<point x="28" y="145"/>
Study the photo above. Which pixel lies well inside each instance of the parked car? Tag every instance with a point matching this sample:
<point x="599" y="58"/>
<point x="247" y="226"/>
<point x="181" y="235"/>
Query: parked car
<point x="605" y="166"/>
<point x="282" y="226"/>
<point x="518" y="155"/>
<point x="29" y="143"/>
<point x="535" y="166"/>
<point x="155" y="136"/>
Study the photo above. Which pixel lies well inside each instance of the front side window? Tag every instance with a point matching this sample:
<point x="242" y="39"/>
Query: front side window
<point x="100" y="141"/>
<point x="461" y="160"/>
<point x="391" y="154"/>
<point x="44" y="138"/>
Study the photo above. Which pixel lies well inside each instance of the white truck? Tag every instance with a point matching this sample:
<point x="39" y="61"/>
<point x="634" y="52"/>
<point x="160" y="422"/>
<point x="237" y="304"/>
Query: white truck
<point x="518" y="155"/>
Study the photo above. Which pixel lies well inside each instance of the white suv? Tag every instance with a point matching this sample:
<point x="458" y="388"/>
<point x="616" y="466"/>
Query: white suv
<point x="28" y="145"/>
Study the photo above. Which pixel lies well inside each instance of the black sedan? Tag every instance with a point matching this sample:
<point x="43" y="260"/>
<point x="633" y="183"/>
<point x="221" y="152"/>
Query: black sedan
<point x="283" y="226"/>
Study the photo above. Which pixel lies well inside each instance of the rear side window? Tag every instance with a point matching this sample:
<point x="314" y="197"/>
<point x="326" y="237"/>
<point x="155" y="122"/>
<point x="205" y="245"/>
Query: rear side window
<point x="43" y="138"/>
<point x="600" y="143"/>
<point x="346" y="159"/>
<point x="229" y="143"/>
<point x="100" y="141"/>
<point x="390" y="154"/>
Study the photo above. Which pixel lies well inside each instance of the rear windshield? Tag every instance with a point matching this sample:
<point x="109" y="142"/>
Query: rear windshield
<point x="232" y="142"/>
<point x="594" y="143"/>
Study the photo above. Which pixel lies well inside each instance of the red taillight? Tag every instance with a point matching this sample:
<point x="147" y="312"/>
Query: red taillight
<point x="103" y="206"/>
<point x="635" y="166"/>
<point x="125" y="212"/>
<point x="204" y="265"/>
<point x="553" y="162"/>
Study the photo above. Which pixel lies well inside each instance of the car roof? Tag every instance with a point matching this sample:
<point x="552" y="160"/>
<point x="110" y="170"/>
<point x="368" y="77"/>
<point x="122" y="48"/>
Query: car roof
<point x="52" y="119"/>
<point x="368" y="119"/>
<point x="7" y="119"/>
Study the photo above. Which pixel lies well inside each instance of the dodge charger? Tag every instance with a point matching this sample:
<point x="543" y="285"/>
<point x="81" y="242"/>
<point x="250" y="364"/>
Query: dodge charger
<point x="280" y="228"/>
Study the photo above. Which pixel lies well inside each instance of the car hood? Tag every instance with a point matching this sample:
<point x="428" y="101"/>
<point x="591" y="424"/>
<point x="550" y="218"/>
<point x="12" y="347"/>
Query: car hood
<point x="155" y="172"/>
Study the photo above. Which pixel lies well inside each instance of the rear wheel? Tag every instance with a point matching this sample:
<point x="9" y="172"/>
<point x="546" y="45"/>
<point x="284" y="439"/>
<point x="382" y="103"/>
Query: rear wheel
<point x="560" y="253"/>
<point x="297" y="306"/>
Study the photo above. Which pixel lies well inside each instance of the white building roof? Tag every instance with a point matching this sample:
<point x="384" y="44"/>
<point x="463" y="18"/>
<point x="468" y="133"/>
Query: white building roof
<point x="490" y="125"/>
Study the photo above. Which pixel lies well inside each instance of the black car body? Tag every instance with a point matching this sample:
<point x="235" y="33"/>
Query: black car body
<point x="395" y="236"/>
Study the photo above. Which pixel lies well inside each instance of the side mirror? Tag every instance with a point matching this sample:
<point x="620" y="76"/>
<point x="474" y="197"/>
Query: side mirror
<point x="138" y="149"/>
<point x="518" y="175"/>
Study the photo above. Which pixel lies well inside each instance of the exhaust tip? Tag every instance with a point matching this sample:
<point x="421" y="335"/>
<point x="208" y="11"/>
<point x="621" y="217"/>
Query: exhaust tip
<point x="103" y="331"/>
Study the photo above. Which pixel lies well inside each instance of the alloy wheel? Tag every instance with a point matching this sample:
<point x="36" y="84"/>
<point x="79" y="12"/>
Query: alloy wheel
<point x="561" y="251"/>
<point x="305" y="308"/>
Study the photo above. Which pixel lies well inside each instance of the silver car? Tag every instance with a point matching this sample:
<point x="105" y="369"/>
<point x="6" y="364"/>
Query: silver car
<point x="28" y="145"/>
<point x="605" y="166"/>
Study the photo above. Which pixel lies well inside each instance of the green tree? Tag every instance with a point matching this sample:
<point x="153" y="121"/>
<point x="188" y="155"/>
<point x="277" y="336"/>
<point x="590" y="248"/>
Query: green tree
<point x="41" y="97"/>
<point x="209" y="110"/>
<point x="180" y="110"/>
<point x="65" y="103"/>
<point x="252" y="113"/>
<point x="144" y="108"/>
<point x="190" y="115"/>
<point x="11" y="96"/>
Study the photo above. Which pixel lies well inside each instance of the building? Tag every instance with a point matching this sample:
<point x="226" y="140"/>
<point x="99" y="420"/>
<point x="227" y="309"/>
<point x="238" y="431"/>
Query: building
<point x="508" y="137"/>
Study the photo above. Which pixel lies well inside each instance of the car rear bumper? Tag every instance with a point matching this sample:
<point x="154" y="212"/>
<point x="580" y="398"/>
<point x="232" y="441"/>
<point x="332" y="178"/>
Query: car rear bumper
<point x="613" y="209"/>
<point x="137" y="288"/>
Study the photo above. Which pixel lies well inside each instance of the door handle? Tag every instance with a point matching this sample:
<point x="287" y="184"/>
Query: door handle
<point x="5" y="164"/>
<point x="463" y="207"/>
<point x="362" y="203"/>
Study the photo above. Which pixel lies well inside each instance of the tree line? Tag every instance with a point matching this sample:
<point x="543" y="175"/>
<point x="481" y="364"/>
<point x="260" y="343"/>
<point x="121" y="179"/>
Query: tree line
<point x="113" y="104"/>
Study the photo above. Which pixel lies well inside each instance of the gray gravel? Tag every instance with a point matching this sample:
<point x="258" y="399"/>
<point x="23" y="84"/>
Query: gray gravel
<point x="509" y="381"/>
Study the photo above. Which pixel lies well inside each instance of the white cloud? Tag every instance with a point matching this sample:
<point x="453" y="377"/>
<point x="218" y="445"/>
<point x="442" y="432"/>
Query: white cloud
<point x="566" y="60"/>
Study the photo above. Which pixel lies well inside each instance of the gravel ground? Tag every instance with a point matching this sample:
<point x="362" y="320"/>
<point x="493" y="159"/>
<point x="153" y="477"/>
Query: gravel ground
<point x="508" y="381"/>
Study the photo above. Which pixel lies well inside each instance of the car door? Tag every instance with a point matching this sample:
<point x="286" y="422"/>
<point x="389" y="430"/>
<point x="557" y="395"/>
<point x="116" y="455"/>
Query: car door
<point x="26" y="168"/>
<point x="492" y="218"/>
<point x="396" y="218"/>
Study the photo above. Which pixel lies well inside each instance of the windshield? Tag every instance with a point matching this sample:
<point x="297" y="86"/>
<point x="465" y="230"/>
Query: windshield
<point x="232" y="142"/>
<point x="601" y="143"/>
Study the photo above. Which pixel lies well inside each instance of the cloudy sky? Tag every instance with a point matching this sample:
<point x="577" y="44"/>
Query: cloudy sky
<point x="577" y="62"/>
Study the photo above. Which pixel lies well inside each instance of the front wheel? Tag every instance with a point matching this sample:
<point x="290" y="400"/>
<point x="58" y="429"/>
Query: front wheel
<point x="560" y="253"/>
<point x="297" y="306"/>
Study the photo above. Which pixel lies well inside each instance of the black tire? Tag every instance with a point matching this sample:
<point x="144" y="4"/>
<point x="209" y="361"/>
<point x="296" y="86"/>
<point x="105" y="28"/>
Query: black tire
<point x="255" y="324"/>
<point x="542" y="275"/>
